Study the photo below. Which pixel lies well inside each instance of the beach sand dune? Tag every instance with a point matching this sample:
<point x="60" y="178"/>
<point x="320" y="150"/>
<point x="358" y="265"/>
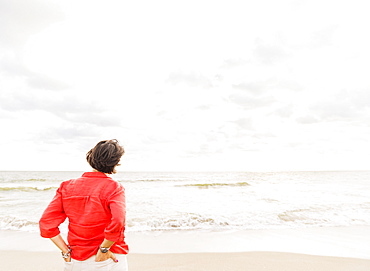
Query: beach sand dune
<point x="243" y="261"/>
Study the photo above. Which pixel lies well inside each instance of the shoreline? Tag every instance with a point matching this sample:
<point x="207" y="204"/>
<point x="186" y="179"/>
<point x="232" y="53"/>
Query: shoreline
<point x="352" y="242"/>
<point x="254" y="261"/>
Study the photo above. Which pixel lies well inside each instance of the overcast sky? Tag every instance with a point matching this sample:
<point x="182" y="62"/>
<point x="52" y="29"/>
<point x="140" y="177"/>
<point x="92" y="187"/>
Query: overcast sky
<point x="186" y="85"/>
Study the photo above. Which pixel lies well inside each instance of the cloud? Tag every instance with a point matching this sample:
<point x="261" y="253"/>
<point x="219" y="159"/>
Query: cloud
<point x="11" y="64"/>
<point x="334" y="111"/>
<point x="22" y="18"/>
<point x="284" y="112"/>
<point x="359" y="98"/>
<point x="244" y="123"/>
<point x="12" y="67"/>
<point x="324" y="37"/>
<point x="250" y="81"/>
<point x="231" y="63"/>
<point x="307" y="119"/>
<point x="191" y="79"/>
<point x="203" y="107"/>
<point x="268" y="53"/>
<point x="67" y="133"/>
<point x="248" y="102"/>
<point x="66" y="107"/>
<point x="39" y="81"/>
<point x="263" y="135"/>
<point x="204" y="150"/>
<point x="346" y="105"/>
<point x="255" y="88"/>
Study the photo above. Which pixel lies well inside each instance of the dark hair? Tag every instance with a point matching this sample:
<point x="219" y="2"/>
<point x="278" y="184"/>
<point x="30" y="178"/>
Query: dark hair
<point x="105" y="156"/>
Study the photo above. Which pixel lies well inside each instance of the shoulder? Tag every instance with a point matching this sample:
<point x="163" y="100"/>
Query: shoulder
<point x="114" y="186"/>
<point x="115" y="190"/>
<point x="65" y="184"/>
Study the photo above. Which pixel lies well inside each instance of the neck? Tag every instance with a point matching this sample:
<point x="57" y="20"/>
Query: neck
<point x="99" y="171"/>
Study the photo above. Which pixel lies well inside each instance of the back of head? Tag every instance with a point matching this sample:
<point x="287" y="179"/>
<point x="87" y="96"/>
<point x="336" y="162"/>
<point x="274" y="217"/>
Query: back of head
<point x="105" y="156"/>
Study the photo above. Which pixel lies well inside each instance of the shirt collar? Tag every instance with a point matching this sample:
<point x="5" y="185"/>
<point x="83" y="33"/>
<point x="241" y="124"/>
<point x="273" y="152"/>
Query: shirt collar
<point x="95" y="174"/>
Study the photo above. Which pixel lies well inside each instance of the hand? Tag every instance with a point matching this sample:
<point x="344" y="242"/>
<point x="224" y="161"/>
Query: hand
<point x="67" y="255"/>
<point x="100" y="256"/>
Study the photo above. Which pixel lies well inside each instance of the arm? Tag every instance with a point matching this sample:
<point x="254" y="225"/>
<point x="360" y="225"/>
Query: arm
<point x="117" y="205"/>
<point x="59" y="242"/>
<point x="115" y="229"/>
<point x="53" y="216"/>
<point x="49" y="223"/>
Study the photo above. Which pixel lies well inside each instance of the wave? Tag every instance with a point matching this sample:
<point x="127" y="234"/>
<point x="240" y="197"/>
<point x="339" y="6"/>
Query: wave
<point x="185" y="222"/>
<point x="12" y="223"/>
<point x="36" y="180"/>
<point x="196" y="221"/>
<point x="146" y="180"/>
<point x="341" y="215"/>
<point x="27" y="188"/>
<point x="142" y="180"/>
<point x="14" y="180"/>
<point x="294" y="215"/>
<point x="207" y="185"/>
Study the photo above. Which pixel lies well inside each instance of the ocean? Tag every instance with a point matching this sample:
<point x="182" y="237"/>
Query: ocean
<point x="210" y="201"/>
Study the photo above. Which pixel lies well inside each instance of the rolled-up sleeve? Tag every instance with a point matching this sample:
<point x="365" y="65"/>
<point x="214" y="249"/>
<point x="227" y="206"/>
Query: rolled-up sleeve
<point x="53" y="216"/>
<point x="117" y="205"/>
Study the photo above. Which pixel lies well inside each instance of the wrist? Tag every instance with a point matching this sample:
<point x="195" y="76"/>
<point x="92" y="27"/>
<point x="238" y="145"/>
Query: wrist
<point x="67" y="253"/>
<point x="104" y="249"/>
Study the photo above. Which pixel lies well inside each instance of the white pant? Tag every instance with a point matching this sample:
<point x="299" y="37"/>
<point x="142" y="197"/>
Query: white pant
<point x="91" y="265"/>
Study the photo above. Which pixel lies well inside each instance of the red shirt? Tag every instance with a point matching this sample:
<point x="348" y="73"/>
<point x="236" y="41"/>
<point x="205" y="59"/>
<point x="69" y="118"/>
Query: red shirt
<point x="96" y="209"/>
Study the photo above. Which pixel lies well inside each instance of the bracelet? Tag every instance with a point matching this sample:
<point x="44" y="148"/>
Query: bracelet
<point x="67" y="254"/>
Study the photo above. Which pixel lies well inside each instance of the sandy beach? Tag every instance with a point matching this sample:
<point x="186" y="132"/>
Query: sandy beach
<point x="253" y="261"/>
<point x="326" y="249"/>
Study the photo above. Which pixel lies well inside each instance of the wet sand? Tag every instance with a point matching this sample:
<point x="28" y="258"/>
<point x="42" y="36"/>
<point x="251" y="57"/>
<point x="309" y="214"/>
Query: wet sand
<point x="251" y="261"/>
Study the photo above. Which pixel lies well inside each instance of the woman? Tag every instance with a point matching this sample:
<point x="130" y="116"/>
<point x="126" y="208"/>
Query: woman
<point x="96" y="210"/>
